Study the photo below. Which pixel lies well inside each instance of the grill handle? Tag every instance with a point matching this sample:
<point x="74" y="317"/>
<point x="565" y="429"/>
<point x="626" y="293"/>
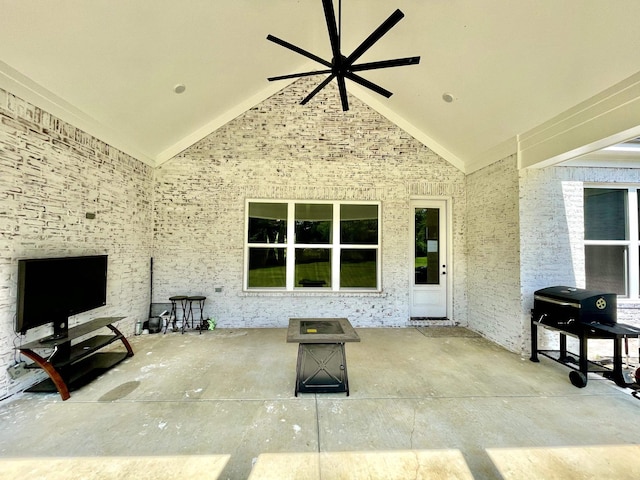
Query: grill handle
<point x="556" y="302"/>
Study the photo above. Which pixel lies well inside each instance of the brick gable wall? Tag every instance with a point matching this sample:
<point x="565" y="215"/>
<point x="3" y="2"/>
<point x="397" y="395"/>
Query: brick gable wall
<point x="281" y="150"/>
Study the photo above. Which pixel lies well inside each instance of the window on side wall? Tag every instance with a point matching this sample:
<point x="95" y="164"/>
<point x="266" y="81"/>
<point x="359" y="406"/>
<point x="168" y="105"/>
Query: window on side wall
<point x="302" y="245"/>
<point x="611" y="240"/>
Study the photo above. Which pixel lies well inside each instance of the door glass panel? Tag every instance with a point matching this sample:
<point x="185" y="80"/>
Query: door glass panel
<point x="427" y="246"/>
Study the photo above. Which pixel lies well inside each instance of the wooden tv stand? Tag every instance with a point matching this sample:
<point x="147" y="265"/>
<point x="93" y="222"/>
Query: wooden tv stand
<point x="73" y="365"/>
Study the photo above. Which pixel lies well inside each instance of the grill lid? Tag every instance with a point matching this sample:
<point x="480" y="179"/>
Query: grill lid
<point x="563" y="305"/>
<point x="567" y="294"/>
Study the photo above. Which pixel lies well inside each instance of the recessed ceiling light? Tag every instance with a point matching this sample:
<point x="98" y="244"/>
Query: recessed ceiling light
<point x="179" y="88"/>
<point x="448" y="97"/>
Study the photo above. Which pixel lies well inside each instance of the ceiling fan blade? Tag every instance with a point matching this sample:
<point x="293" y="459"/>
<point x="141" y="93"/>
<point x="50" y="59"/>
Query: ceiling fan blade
<point x="298" y="75"/>
<point x="299" y="50"/>
<point x="398" y="62"/>
<point x="377" y="34"/>
<point x="324" y="83"/>
<point x="370" y="85"/>
<point x="343" y="93"/>
<point x="330" y="16"/>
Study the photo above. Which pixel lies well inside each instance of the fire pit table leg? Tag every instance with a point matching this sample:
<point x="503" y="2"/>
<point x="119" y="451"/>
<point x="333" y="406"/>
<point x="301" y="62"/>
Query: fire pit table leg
<point x="344" y="367"/>
<point x="299" y="368"/>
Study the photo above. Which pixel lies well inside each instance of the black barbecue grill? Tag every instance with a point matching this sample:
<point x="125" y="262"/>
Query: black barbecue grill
<point x="583" y="314"/>
<point x="567" y="307"/>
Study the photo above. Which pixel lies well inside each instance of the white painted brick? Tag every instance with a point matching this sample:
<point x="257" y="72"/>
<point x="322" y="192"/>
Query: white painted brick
<point x="51" y="174"/>
<point x="279" y="150"/>
<point x="493" y="238"/>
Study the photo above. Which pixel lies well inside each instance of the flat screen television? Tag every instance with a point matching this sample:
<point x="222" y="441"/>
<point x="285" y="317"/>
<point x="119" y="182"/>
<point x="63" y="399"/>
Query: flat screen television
<point x="50" y="290"/>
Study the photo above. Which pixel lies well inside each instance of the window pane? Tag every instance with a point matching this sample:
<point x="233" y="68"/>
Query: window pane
<point x="313" y="223"/>
<point x="358" y="268"/>
<point x="267" y="268"/>
<point x="359" y="224"/>
<point x="606" y="268"/>
<point x="313" y="267"/>
<point x="267" y="222"/>
<point x="605" y="214"/>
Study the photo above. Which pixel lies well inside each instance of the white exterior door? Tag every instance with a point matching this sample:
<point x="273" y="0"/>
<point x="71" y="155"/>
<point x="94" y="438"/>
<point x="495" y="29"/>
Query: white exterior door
<point x="429" y="293"/>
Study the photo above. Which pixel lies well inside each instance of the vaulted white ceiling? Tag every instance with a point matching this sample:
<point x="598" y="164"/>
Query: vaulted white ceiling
<point x="522" y="73"/>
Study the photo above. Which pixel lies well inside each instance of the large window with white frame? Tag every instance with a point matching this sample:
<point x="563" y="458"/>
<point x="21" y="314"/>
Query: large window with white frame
<point x="327" y="246"/>
<point x="612" y="240"/>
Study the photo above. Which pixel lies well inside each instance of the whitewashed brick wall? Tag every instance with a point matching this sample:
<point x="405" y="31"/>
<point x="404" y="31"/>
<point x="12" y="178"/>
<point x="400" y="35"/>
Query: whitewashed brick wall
<point x="513" y="231"/>
<point x="280" y="150"/>
<point x="552" y="233"/>
<point x="51" y="175"/>
<point x="493" y="253"/>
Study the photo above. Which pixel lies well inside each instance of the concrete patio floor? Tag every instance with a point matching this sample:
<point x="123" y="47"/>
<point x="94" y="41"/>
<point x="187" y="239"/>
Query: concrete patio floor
<point x="431" y="402"/>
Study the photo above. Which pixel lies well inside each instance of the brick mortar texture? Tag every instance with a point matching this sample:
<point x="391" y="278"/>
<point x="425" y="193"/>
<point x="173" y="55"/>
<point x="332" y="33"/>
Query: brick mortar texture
<point x="280" y="150"/>
<point x="493" y="237"/>
<point x="51" y="175"/>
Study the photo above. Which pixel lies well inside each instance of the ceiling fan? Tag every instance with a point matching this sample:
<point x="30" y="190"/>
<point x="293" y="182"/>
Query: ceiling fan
<point x="341" y="67"/>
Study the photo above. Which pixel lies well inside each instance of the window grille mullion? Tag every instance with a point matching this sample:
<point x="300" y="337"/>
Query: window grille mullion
<point x="335" y="248"/>
<point x="634" y="254"/>
<point x="291" y="248"/>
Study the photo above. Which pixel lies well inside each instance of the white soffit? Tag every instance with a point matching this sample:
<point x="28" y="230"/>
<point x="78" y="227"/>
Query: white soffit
<point x="621" y="155"/>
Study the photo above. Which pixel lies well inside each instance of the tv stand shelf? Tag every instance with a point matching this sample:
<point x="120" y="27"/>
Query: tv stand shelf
<point x="73" y="365"/>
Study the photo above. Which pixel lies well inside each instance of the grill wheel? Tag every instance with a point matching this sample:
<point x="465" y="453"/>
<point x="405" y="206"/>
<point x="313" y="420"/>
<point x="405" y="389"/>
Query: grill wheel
<point x="578" y="379"/>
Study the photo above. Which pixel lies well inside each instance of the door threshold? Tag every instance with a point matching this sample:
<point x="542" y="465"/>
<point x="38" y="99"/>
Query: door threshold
<point x="431" y="322"/>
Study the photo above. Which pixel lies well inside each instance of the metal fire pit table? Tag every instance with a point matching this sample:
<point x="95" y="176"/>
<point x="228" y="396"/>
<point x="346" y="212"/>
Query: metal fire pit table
<point x="322" y="364"/>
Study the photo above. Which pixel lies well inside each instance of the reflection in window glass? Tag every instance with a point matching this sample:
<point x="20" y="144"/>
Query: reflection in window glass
<point x="313" y="223"/>
<point x="295" y="245"/>
<point x="605" y="214"/>
<point x="606" y="268"/>
<point x="313" y="267"/>
<point x="267" y="222"/>
<point x="359" y="224"/>
<point x="267" y="267"/>
<point x="427" y="246"/>
<point x="358" y="268"/>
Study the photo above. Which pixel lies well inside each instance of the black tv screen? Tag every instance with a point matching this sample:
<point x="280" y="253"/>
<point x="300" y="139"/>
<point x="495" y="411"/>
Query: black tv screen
<point x="52" y="289"/>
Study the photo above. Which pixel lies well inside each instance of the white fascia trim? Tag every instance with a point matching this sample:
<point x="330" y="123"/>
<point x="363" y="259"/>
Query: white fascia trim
<point x="603" y="120"/>
<point x="499" y="152"/>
